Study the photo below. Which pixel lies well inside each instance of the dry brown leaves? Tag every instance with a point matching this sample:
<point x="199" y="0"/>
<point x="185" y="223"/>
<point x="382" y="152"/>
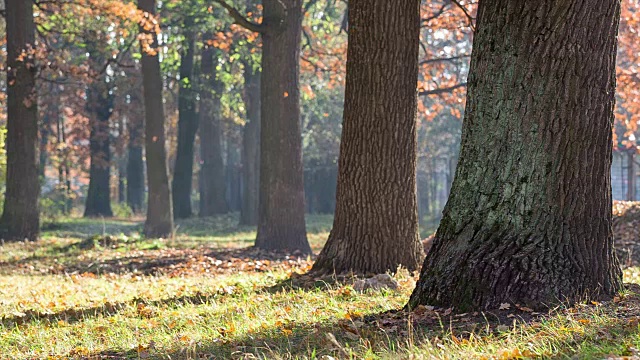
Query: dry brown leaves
<point x="626" y="231"/>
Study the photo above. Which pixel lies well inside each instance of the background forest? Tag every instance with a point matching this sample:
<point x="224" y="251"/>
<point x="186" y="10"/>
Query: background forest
<point x="174" y="135"/>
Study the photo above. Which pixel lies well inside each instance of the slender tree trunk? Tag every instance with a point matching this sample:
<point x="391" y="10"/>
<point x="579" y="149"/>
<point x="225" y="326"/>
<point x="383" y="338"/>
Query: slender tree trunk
<point x="135" y="166"/>
<point x="45" y="133"/>
<point x="21" y="217"/>
<point x="281" y="223"/>
<point x="187" y="128"/>
<point x="631" y="176"/>
<point x="375" y="228"/>
<point x="99" y="106"/>
<point x="159" y="221"/>
<point x="529" y="216"/>
<point x="251" y="147"/>
<point x="212" y="187"/>
<point x="233" y="174"/>
<point x="122" y="161"/>
<point x="63" y="166"/>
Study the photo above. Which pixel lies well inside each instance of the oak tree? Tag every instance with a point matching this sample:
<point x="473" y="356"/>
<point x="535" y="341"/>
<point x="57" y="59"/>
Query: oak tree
<point x="375" y="228"/>
<point x="528" y="220"/>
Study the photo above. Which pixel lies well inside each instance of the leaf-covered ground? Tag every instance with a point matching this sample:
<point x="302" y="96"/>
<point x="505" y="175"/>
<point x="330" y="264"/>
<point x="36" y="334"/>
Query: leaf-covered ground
<point x="95" y="289"/>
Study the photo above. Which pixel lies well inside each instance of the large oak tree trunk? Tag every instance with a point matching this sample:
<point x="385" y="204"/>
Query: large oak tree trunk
<point x="529" y="216"/>
<point x="99" y="108"/>
<point x="281" y="223"/>
<point x="212" y="186"/>
<point x="375" y="228"/>
<point x="187" y="128"/>
<point x="159" y="221"/>
<point x="251" y="148"/>
<point x="21" y="218"/>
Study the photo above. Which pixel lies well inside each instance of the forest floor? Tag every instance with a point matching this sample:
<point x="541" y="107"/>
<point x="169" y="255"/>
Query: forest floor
<point x="95" y="289"/>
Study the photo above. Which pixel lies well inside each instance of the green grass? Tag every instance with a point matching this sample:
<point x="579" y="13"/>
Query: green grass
<point x="203" y="295"/>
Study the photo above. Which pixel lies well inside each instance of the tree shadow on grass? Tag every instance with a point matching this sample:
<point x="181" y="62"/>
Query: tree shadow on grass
<point x="396" y="334"/>
<point x="204" y="260"/>
<point x="352" y="338"/>
<point x="113" y="255"/>
<point x="73" y="315"/>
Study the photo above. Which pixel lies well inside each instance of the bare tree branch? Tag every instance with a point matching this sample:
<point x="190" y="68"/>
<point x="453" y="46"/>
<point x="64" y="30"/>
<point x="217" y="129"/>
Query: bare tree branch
<point x="240" y="19"/>
<point x="452" y="58"/>
<point x="443" y="90"/>
<point x="424" y="22"/>
<point x="470" y="18"/>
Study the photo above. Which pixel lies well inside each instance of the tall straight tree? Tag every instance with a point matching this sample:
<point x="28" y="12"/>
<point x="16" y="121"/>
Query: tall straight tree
<point x="375" y="228"/>
<point x="529" y="216"/>
<point x="281" y="223"/>
<point x="21" y="217"/>
<point x="212" y="186"/>
<point x="135" y="162"/>
<point x="99" y="108"/>
<point x="159" y="222"/>
<point x="187" y="128"/>
<point x="251" y="147"/>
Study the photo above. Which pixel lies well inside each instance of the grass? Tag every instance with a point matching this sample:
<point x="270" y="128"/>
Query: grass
<point x="205" y="295"/>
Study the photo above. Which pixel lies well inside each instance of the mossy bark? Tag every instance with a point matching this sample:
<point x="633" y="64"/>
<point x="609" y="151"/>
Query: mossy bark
<point x="528" y="220"/>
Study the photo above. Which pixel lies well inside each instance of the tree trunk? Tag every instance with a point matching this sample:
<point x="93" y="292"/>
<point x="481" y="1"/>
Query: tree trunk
<point x="529" y="216"/>
<point x="51" y="110"/>
<point x="631" y="175"/>
<point x="187" y="128"/>
<point x="233" y="174"/>
<point x="21" y="218"/>
<point x="212" y="187"/>
<point x="63" y="156"/>
<point x="281" y="223"/>
<point x="375" y="228"/>
<point x="251" y="147"/>
<point x="159" y="221"/>
<point x="99" y="107"/>
<point x="122" y="161"/>
<point x="135" y="167"/>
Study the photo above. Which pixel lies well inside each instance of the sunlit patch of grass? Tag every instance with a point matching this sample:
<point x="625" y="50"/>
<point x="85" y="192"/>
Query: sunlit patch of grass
<point x="48" y="310"/>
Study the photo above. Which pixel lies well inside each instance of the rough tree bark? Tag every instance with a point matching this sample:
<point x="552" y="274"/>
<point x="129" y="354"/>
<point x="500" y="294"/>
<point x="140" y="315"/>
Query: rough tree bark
<point x="529" y="216"/>
<point x="20" y="217"/>
<point x="187" y="128"/>
<point x="159" y="222"/>
<point x="99" y="107"/>
<point x="251" y="147"/>
<point x="375" y="228"/>
<point x="281" y="223"/>
<point x="212" y="187"/>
